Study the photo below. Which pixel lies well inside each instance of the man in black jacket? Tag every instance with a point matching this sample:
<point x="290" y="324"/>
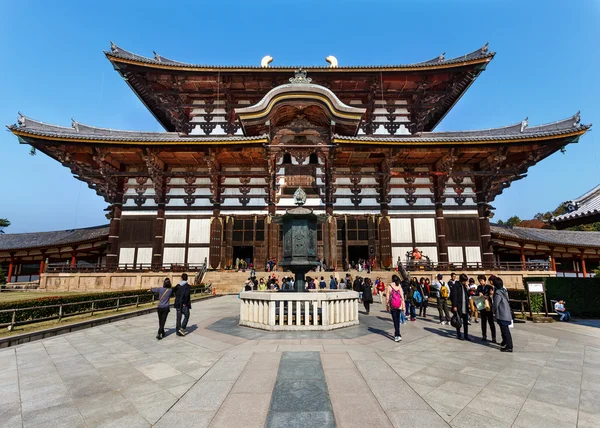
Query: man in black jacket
<point x="459" y="295"/>
<point x="182" y="304"/>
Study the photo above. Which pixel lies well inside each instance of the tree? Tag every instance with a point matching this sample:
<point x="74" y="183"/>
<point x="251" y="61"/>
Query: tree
<point x="511" y="222"/>
<point x="3" y="223"/>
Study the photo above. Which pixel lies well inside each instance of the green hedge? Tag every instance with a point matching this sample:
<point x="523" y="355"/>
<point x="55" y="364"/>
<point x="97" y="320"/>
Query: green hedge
<point x="582" y="295"/>
<point x="84" y="306"/>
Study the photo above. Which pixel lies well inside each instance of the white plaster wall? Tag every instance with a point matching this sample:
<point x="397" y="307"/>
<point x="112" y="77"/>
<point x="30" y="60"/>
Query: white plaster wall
<point x="455" y="254"/>
<point x="197" y="255"/>
<point x="173" y="255"/>
<point x="175" y="231"/>
<point x="425" y="230"/>
<point x="401" y="231"/>
<point x="144" y="255"/>
<point x="126" y="256"/>
<point x="199" y="231"/>
<point x="431" y="252"/>
<point x="473" y="254"/>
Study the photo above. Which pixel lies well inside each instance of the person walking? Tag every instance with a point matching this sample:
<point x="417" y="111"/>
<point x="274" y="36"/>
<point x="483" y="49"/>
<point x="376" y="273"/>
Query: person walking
<point x="332" y="283"/>
<point x="487" y="317"/>
<point x="406" y="289"/>
<point x="182" y="304"/>
<point x="472" y="307"/>
<point x="425" y="289"/>
<point x="502" y="312"/>
<point x="322" y="283"/>
<point x="459" y="296"/>
<point x="394" y="298"/>
<point x="415" y="298"/>
<point x="379" y="284"/>
<point x="442" y="292"/>
<point x="367" y="294"/>
<point x="164" y="303"/>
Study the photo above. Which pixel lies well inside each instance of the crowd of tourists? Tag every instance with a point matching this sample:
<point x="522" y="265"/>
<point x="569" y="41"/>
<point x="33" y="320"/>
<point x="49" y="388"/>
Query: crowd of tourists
<point x="459" y="302"/>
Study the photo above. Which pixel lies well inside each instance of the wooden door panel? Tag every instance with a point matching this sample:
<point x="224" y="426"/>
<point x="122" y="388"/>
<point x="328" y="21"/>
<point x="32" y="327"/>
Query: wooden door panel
<point x="216" y="234"/>
<point x="385" y="242"/>
<point x="229" y="243"/>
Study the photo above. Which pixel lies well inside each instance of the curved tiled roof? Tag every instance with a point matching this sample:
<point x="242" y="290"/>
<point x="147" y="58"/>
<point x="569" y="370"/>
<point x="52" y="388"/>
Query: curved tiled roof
<point x="586" y="205"/>
<point x="517" y="131"/>
<point x="21" y="241"/>
<point x="117" y="53"/>
<point x="568" y="238"/>
<point x="81" y="132"/>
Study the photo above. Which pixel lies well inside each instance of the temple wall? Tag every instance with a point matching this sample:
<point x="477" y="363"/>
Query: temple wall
<point x="225" y="282"/>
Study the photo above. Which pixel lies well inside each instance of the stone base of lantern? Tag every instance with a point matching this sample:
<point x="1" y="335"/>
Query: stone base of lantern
<point x="281" y="311"/>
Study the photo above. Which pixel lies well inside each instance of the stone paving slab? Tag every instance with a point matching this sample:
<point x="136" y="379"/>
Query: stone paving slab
<point x="222" y="375"/>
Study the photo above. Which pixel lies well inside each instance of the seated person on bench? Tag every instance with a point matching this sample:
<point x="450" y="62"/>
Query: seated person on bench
<point x="559" y="307"/>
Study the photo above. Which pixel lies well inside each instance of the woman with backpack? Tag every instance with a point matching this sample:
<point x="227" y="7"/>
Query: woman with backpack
<point x="395" y="304"/>
<point x="164" y="304"/>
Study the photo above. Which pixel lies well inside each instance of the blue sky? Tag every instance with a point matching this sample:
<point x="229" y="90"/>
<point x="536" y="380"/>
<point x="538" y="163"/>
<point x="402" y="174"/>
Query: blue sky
<point x="53" y="69"/>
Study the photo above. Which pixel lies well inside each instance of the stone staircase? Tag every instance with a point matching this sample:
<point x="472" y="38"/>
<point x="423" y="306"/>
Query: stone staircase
<point x="227" y="281"/>
<point x="231" y="282"/>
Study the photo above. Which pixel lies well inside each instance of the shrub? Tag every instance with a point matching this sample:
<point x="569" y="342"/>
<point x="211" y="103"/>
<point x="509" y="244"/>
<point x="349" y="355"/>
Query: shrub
<point x="537" y="302"/>
<point x="43" y="309"/>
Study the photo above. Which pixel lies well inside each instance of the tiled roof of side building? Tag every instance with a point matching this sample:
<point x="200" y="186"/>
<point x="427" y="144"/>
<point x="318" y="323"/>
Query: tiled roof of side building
<point x="518" y="131"/>
<point x="117" y="53"/>
<point x="19" y="241"/>
<point x="585" y="206"/>
<point x="548" y="236"/>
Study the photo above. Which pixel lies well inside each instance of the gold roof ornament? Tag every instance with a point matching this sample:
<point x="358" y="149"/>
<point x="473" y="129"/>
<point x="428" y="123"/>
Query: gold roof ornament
<point x="265" y="61"/>
<point x="333" y="62"/>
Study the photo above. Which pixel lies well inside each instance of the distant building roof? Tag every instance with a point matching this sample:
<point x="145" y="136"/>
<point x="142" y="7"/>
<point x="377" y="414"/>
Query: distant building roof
<point x="548" y="236"/>
<point x="21" y="241"/>
<point x="583" y="207"/>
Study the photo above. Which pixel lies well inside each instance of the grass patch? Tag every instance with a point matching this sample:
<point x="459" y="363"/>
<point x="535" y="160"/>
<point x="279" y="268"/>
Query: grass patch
<point x="18" y="296"/>
<point x="30" y="328"/>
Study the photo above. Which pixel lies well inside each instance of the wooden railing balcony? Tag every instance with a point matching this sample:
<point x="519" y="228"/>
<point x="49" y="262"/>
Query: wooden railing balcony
<point x="426" y="265"/>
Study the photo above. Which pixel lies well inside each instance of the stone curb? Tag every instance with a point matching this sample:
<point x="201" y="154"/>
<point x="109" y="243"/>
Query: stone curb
<point x="56" y="331"/>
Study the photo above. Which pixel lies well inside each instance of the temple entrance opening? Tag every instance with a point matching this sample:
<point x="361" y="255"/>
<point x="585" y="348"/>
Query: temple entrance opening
<point x="357" y="252"/>
<point x="244" y="252"/>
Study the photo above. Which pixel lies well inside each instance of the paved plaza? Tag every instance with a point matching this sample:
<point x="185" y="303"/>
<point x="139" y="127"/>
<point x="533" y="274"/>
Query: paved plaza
<point x="222" y="375"/>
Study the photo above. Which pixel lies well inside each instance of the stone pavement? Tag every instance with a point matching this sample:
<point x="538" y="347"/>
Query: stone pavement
<point x="222" y="375"/>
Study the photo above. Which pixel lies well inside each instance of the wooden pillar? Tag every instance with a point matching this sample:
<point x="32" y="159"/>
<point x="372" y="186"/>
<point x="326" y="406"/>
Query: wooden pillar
<point x="112" y="258"/>
<point x="11" y="268"/>
<point x="440" y="225"/>
<point x="73" y="259"/>
<point x="486" y="233"/>
<point x="583" y="268"/>
<point x="158" y="243"/>
<point x="523" y="260"/>
<point x="42" y="263"/>
<point x="552" y="259"/>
